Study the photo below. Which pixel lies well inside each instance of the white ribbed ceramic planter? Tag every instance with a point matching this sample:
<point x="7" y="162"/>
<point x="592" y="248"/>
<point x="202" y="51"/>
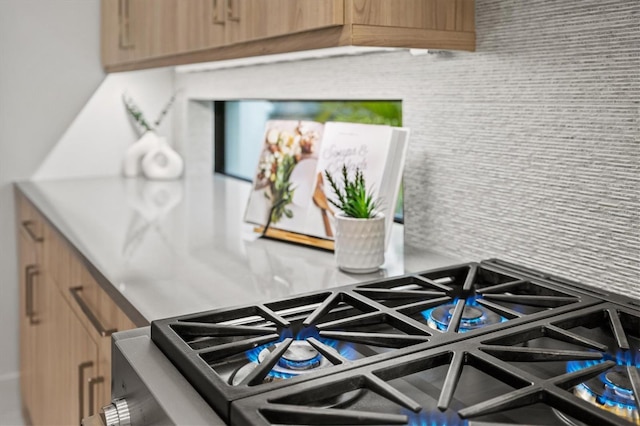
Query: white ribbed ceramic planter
<point x="359" y="243"/>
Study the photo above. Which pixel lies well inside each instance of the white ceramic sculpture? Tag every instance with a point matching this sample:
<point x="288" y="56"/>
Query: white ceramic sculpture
<point x="132" y="166"/>
<point x="151" y="154"/>
<point x="162" y="162"/>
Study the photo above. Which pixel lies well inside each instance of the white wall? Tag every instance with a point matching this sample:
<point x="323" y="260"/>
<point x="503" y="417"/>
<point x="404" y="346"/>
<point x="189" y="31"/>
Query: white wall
<point x="49" y="67"/>
<point x="94" y="143"/>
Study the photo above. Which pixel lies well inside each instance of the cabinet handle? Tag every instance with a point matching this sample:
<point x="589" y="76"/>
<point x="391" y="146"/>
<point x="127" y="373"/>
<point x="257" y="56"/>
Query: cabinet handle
<point x="235" y="17"/>
<point x="27" y="225"/>
<point x="30" y="272"/>
<point x="75" y="292"/>
<point x="216" y="19"/>
<point x="81" y="367"/>
<point x="124" y="22"/>
<point x="93" y="381"/>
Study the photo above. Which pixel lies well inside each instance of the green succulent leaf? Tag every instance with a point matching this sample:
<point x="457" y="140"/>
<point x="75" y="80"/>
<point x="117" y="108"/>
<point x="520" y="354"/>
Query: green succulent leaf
<point x="352" y="197"/>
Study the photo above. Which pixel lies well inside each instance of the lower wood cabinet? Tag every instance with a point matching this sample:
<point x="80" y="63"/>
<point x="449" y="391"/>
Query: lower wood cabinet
<point x="66" y="322"/>
<point x="70" y="359"/>
<point x="30" y="310"/>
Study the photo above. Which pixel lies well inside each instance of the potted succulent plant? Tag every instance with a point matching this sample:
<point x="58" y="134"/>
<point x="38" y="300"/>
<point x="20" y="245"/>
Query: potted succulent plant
<point x="359" y="239"/>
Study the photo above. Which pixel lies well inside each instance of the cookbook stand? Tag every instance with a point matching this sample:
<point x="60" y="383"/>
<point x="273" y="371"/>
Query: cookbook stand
<point x="293" y="237"/>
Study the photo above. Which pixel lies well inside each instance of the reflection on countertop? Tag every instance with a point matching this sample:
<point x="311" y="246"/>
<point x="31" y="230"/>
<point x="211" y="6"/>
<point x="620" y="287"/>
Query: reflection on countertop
<point x="177" y="247"/>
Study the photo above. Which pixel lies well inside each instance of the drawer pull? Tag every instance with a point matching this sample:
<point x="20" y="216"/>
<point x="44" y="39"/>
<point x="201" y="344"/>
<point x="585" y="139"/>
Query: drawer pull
<point x="30" y="272"/>
<point x="28" y="225"/>
<point x="124" y="22"/>
<point x="81" y="368"/>
<point x="75" y="292"/>
<point x="93" y="381"/>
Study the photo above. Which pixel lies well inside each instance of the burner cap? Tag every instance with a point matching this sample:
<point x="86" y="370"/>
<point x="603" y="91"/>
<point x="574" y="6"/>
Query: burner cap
<point x="468" y="313"/>
<point x="611" y="387"/>
<point x="300" y="355"/>
<point x="619" y="381"/>
<point x="299" y="358"/>
<point x="473" y="317"/>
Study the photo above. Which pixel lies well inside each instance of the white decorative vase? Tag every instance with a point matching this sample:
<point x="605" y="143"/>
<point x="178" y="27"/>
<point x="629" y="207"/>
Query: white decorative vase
<point x="133" y="157"/>
<point x="162" y="162"/>
<point x="359" y="243"/>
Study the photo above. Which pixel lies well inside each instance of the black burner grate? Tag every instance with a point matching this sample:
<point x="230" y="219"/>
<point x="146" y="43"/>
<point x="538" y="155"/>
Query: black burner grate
<point x="231" y="354"/>
<point x="469" y="297"/>
<point x="532" y="373"/>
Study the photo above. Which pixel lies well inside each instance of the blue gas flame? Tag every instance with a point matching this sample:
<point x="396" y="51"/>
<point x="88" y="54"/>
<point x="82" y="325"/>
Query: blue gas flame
<point x="622" y="358"/>
<point x="434" y="418"/>
<point x="580" y="365"/>
<point x="465" y="324"/>
<point x="347" y="351"/>
<point x="615" y="398"/>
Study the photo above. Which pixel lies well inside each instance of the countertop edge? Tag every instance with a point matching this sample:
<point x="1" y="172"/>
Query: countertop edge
<point x="401" y="259"/>
<point x="48" y="213"/>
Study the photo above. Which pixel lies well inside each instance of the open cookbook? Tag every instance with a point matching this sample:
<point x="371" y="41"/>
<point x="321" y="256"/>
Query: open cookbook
<point x="290" y="192"/>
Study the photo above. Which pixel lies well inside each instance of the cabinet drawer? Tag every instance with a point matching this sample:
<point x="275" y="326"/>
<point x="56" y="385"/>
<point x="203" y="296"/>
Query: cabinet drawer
<point x="100" y="317"/>
<point x="89" y="301"/>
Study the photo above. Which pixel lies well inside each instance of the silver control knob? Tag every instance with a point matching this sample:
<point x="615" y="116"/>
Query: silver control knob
<point x="117" y="413"/>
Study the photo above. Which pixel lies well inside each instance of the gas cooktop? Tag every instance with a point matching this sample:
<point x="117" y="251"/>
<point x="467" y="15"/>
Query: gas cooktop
<point x="472" y="344"/>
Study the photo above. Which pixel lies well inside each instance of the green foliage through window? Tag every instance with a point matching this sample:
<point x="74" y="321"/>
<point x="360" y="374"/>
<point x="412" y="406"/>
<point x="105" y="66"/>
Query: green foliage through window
<point x="367" y="112"/>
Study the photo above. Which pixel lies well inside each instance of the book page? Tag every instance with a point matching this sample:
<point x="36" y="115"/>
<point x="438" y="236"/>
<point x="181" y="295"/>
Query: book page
<point x="392" y="178"/>
<point x="362" y="146"/>
<point x="282" y="187"/>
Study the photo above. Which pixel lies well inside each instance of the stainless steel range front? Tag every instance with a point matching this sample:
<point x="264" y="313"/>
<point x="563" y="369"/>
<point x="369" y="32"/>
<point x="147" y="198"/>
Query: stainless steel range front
<point x="471" y="344"/>
<point x="147" y="389"/>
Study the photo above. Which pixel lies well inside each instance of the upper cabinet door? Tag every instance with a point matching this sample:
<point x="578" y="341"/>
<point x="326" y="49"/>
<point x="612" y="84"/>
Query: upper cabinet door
<point x="163" y="14"/>
<point x="248" y="20"/>
<point x="444" y="15"/>
<point x="201" y="24"/>
<point x="138" y="29"/>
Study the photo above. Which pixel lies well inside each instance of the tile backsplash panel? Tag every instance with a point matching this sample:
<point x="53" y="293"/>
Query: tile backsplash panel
<point x="527" y="150"/>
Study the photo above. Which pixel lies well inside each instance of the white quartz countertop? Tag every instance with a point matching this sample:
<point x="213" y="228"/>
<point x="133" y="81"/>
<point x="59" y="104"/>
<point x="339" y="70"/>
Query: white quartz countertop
<point x="171" y="248"/>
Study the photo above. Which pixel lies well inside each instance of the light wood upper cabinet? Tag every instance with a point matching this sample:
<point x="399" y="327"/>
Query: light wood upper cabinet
<point x="249" y="20"/>
<point x="200" y="24"/>
<point x="139" y="29"/>
<point x="445" y="15"/>
<point x="140" y="34"/>
<point x="207" y="24"/>
<point x="428" y="24"/>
